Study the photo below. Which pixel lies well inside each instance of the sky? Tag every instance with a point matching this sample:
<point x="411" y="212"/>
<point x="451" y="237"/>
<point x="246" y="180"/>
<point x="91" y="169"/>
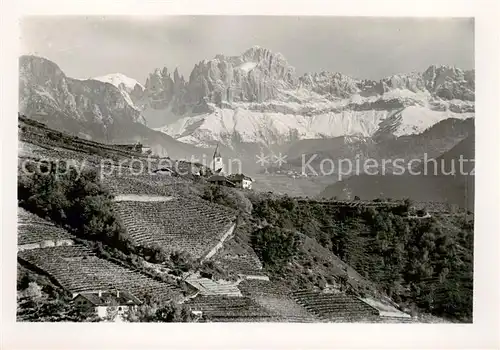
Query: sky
<point x="363" y="47"/>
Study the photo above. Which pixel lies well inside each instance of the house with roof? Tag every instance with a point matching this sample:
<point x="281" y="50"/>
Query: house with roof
<point x="241" y="180"/>
<point x="146" y="150"/>
<point x="106" y="304"/>
<point x="220" y="180"/>
<point x="231" y="180"/>
<point x="131" y="147"/>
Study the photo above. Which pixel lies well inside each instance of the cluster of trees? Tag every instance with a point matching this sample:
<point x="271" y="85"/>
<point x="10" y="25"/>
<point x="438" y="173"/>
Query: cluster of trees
<point x="155" y="310"/>
<point x="77" y="201"/>
<point x="275" y="246"/>
<point x="74" y="200"/>
<point x="228" y="197"/>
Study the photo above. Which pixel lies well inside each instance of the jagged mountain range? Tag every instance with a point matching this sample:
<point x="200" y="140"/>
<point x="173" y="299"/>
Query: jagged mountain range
<point x="254" y="98"/>
<point x="258" y="98"/>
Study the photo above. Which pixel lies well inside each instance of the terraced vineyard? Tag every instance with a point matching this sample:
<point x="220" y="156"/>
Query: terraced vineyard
<point x="230" y="309"/>
<point x="335" y="307"/>
<point x="37" y="133"/>
<point x="286" y="308"/>
<point x="77" y="270"/>
<point x="32" y="229"/>
<point x="239" y="258"/>
<point x="37" y="141"/>
<point x="179" y="224"/>
<point x="276" y="298"/>
<point x="350" y="203"/>
<point x="258" y="287"/>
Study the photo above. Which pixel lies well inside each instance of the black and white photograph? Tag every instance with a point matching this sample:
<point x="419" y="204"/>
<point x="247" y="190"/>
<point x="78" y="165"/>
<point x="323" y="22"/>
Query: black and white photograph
<point x="246" y="169"/>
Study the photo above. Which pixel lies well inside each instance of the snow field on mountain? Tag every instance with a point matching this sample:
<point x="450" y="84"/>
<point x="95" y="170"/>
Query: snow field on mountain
<point x="123" y="83"/>
<point x="117" y="79"/>
<point x="247" y="66"/>
<point x="262" y="127"/>
<point x="416" y="119"/>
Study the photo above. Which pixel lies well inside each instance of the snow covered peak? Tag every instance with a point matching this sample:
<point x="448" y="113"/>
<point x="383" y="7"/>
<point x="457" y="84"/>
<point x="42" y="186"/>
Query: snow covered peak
<point x="130" y="88"/>
<point x="224" y="125"/>
<point x="118" y="79"/>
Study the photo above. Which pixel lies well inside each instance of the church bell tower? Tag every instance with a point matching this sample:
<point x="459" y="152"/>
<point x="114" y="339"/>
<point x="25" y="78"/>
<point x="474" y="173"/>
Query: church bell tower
<point x="217" y="164"/>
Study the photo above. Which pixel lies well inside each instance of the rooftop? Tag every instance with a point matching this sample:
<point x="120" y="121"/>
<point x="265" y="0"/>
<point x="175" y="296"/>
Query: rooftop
<point x="111" y="298"/>
<point x="239" y="177"/>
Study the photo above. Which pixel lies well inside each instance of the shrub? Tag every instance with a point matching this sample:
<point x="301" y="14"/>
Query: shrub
<point x="228" y="197"/>
<point x="426" y="263"/>
<point x="182" y="261"/>
<point x="158" y="311"/>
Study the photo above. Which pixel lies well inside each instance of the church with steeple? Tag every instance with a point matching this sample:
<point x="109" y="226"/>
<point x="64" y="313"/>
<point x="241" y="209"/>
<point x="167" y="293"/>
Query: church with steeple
<point x="232" y="180"/>
<point x="217" y="163"/>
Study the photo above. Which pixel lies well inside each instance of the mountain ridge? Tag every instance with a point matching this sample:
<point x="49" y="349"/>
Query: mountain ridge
<point x="88" y="108"/>
<point x="257" y="98"/>
<point x="262" y="86"/>
<point x="434" y="182"/>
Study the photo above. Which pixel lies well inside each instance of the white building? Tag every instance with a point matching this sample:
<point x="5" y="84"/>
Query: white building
<point x="107" y="304"/>
<point x="241" y="180"/>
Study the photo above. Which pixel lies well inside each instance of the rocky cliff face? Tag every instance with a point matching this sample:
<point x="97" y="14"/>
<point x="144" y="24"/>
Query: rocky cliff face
<point x="44" y="90"/>
<point x="259" y="75"/>
<point x="448" y="83"/>
<point x="161" y="87"/>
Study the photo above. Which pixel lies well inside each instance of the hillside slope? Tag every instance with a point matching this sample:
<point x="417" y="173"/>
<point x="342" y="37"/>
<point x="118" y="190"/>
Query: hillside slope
<point x="432" y="182"/>
<point x="426" y="263"/>
<point x="356" y="249"/>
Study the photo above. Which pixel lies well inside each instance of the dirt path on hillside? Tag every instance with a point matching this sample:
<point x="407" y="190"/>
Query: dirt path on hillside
<point x="141" y="198"/>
